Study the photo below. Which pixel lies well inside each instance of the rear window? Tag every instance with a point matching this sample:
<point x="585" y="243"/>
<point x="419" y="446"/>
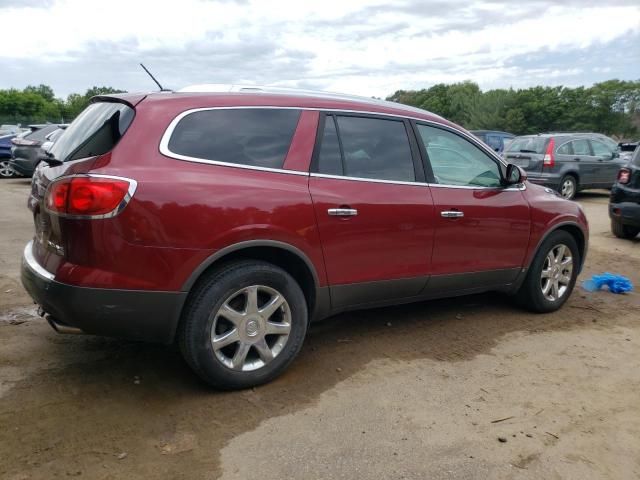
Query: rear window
<point x="527" y="145"/>
<point x="41" y="134"/>
<point x="95" y="131"/>
<point x="258" y="137"/>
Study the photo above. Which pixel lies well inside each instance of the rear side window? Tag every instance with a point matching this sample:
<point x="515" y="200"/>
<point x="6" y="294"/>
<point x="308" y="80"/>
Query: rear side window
<point x="258" y="137"/>
<point x="564" y="149"/>
<point x="330" y="158"/>
<point x="373" y="148"/>
<point x="95" y="131"/>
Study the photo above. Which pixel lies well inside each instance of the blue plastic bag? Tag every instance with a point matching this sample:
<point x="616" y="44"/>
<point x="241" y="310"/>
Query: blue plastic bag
<point x="615" y="283"/>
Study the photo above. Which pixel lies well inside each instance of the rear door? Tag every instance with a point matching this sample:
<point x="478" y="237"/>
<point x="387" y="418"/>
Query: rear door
<point x="527" y="152"/>
<point x="482" y="228"/>
<point x="373" y="209"/>
<point x="588" y="164"/>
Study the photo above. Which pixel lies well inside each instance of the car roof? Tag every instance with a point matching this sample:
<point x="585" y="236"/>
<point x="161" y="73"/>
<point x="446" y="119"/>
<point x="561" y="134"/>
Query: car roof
<point x="491" y="131"/>
<point x="215" y="95"/>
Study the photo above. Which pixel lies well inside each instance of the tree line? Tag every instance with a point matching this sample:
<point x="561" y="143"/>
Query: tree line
<point x="611" y="107"/>
<point x="38" y="104"/>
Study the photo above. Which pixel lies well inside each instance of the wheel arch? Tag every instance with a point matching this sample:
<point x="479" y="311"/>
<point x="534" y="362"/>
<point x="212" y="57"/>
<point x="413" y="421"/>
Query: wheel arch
<point x="291" y="259"/>
<point x="572" y="229"/>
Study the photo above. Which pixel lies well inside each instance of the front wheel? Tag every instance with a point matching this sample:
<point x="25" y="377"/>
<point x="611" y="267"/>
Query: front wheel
<point x="552" y="274"/>
<point x="243" y="324"/>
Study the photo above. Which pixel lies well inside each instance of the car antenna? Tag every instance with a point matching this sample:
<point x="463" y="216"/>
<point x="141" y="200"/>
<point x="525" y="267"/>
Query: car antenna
<point x="162" y="89"/>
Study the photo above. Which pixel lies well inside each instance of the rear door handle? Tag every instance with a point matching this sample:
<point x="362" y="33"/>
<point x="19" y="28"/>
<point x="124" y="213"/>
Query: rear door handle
<point x="451" y="214"/>
<point x="342" y="212"/>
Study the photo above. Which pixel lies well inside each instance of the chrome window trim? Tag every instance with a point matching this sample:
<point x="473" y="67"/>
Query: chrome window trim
<point x="29" y="260"/>
<point x="518" y="187"/>
<point x="133" y="185"/>
<point x="164" y="141"/>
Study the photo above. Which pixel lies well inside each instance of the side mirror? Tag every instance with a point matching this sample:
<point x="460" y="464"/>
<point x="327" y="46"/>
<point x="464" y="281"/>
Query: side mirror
<point x="515" y="175"/>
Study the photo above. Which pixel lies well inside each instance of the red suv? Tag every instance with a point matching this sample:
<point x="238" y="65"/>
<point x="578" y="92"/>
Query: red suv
<point x="228" y="221"/>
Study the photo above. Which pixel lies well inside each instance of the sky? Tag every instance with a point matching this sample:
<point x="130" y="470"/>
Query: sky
<point x="363" y="47"/>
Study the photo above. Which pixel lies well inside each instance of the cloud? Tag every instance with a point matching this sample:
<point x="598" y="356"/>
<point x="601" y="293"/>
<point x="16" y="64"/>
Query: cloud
<point x="365" y="47"/>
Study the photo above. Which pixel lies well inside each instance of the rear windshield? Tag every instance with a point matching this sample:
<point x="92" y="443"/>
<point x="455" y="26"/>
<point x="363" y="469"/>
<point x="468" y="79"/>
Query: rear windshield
<point x="258" y="137"/>
<point x="527" y="145"/>
<point x="95" y="131"/>
<point x="41" y="134"/>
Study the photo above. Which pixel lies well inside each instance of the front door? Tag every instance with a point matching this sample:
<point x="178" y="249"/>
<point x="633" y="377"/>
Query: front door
<point x="482" y="228"/>
<point x="376" y="222"/>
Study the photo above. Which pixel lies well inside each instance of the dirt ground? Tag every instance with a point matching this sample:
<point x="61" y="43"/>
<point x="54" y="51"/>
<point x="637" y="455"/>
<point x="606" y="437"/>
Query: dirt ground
<point x="422" y="391"/>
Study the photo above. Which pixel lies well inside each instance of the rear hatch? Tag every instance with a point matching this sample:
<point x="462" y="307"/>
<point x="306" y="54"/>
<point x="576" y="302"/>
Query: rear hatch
<point x="527" y="152"/>
<point x="94" y="133"/>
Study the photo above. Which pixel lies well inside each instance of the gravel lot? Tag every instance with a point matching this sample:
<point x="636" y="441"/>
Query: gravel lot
<point x="419" y="391"/>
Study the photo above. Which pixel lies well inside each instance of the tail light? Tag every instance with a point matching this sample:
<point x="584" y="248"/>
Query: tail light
<point x="549" y="159"/>
<point x="89" y="196"/>
<point x="23" y="142"/>
<point x="624" y="175"/>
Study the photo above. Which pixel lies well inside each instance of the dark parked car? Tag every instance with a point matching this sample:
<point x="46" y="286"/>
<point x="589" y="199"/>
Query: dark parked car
<point x="624" y="203"/>
<point x="495" y="139"/>
<point x="27" y="152"/>
<point x="227" y="222"/>
<point x="5" y="155"/>
<point x="567" y="162"/>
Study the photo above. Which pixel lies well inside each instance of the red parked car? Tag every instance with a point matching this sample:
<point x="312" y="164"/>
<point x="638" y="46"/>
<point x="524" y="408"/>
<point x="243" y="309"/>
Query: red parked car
<point x="229" y="221"/>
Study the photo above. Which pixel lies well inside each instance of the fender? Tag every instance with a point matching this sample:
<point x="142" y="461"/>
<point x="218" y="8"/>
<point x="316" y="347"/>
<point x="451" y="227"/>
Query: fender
<point x="552" y="229"/>
<point x="241" y="246"/>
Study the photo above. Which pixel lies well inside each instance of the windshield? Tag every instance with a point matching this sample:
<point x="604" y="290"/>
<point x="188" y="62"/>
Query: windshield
<point x="94" y="132"/>
<point x="527" y="145"/>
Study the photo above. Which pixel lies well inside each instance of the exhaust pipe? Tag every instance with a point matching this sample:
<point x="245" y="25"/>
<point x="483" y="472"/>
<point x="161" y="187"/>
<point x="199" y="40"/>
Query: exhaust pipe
<point x="62" y="328"/>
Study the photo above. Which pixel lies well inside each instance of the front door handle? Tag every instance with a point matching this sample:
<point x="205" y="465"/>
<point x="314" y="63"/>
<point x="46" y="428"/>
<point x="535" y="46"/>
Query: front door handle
<point x="451" y="214"/>
<point x="342" y="212"/>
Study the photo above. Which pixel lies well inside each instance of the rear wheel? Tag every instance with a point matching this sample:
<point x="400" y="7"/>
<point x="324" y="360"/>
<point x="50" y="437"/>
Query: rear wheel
<point x="5" y="170"/>
<point x="623" y="231"/>
<point x="243" y="325"/>
<point x="568" y="187"/>
<point x="552" y="274"/>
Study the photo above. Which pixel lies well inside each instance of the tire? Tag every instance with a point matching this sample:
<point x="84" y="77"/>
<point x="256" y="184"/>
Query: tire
<point x="623" y="231"/>
<point x="531" y="294"/>
<point x="220" y="302"/>
<point x="5" y="171"/>
<point x="568" y="187"/>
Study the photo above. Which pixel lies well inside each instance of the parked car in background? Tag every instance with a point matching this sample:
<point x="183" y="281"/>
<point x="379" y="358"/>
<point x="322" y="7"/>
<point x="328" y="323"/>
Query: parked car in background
<point x="495" y="139"/>
<point x="567" y="162"/>
<point x="27" y="151"/>
<point x="624" y="203"/>
<point x="5" y="153"/>
<point x="10" y="130"/>
<point x="228" y="222"/>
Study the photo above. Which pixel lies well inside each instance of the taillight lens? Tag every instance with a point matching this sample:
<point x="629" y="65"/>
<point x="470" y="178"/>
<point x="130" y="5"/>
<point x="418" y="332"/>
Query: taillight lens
<point x="89" y="195"/>
<point x="624" y="175"/>
<point x="549" y="159"/>
<point x="23" y="142"/>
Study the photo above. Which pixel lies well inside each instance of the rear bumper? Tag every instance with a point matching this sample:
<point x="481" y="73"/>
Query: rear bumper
<point x="550" y="180"/>
<point x="626" y="212"/>
<point x="23" y="166"/>
<point x="132" y="314"/>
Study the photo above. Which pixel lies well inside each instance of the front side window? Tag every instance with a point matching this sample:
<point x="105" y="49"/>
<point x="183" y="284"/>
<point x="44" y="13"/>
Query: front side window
<point x="600" y="149"/>
<point x="456" y="161"/>
<point x="258" y="137"/>
<point x="373" y="148"/>
<point x="581" y="147"/>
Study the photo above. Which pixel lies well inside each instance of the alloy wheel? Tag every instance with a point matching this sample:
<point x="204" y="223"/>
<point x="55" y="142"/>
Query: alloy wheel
<point x="5" y="170"/>
<point x="556" y="273"/>
<point x="251" y="328"/>
<point x="568" y="189"/>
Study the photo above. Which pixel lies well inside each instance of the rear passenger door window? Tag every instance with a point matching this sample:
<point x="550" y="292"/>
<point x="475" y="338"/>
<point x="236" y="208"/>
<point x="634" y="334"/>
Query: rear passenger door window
<point x="371" y="148"/>
<point x="581" y="147"/>
<point x="256" y="137"/>
<point x="564" y="149"/>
